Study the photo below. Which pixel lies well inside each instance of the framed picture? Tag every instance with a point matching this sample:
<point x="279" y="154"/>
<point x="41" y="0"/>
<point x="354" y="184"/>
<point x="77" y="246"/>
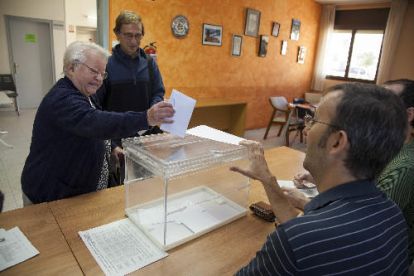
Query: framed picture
<point x="294" y="32"/>
<point x="264" y="41"/>
<point x="301" y="54"/>
<point x="252" y="23"/>
<point x="284" y="48"/>
<point x="236" y="46"/>
<point x="212" y="35"/>
<point x="275" y="30"/>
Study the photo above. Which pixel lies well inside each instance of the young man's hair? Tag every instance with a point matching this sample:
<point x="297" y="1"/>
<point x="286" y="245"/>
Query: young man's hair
<point x="128" y="17"/>
<point x="407" y="94"/>
<point x="375" y="122"/>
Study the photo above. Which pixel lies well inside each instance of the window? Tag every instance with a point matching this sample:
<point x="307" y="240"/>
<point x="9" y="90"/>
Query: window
<point x="355" y="54"/>
<point x="355" y="48"/>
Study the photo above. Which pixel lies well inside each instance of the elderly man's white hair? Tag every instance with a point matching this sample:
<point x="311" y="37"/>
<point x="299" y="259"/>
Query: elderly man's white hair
<point x="76" y="53"/>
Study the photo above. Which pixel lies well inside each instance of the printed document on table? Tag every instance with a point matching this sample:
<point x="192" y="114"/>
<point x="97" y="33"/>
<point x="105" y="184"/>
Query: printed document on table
<point x="121" y="247"/>
<point x="214" y="134"/>
<point x="14" y="248"/>
<point x="183" y="106"/>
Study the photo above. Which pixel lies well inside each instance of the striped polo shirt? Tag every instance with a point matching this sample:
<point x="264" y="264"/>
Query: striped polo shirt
<point x="351" y="229"/>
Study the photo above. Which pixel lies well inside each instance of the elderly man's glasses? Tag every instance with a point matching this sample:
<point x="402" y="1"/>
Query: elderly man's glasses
<point x="96" y="73"/>
<point x="310" y="121"/>
<point x="130" y="36"/>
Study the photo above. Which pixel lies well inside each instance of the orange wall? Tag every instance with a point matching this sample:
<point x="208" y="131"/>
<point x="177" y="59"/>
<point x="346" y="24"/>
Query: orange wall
<point x="202" y="71"/>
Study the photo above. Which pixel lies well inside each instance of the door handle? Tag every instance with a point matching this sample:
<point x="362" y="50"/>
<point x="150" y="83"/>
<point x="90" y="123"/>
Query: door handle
<point x="15" y="67"/>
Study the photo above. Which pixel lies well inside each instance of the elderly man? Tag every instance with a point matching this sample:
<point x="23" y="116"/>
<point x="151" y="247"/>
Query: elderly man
<point x="397" y="179"/>
<point x="350" y="227"/>
<point x="67" y="154"/>
<point x="134" y="81"/>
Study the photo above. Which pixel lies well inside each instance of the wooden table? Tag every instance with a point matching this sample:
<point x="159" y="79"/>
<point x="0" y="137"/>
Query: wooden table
<point x="221" y="252"/>
<point x="40" y="227"/>
<point x="223" y="114"/>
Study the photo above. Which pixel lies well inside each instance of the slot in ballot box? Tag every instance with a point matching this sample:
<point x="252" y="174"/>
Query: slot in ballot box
<point x="178" y="189"/>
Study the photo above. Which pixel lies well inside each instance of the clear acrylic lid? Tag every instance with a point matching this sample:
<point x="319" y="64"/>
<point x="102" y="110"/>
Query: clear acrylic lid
<point x="170" y="156"/>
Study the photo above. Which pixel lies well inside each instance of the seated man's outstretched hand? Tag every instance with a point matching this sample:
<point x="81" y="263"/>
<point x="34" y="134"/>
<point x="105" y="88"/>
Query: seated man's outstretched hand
<point x="257" y="168"/>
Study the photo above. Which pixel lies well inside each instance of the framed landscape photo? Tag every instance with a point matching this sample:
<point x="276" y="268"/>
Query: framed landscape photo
<point x="264" y="41"/>
<point x="275" y="30"/>
<point x="236" y="45"/>
<point x="294" y="32"/>
<point x="252" y="23"/>
<point x="212" y="35"/>
<point x="301" y="54"/>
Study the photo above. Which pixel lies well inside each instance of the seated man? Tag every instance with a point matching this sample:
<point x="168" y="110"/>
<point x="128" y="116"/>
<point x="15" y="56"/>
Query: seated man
<point x="350" y="227"/>
<point x="397" y="179"/>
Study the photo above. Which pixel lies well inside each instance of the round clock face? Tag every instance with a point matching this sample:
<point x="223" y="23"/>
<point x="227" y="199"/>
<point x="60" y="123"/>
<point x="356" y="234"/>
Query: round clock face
<point x="180" y="26"/>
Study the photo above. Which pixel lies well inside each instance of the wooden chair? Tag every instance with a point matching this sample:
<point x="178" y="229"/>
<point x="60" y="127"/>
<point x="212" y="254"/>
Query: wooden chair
<point x="7" y="86"/>
<point x="282" y="115"/>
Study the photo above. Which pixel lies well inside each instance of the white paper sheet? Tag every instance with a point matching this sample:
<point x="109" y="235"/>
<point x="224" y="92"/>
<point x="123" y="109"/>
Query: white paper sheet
<point x="120" y="247"/>
<point x="310" y="193"/>
<point x="214" y="134"/>
<point x="204" y="219"/>
<point x="184" y="107"/>
<point x="14" y="248"/>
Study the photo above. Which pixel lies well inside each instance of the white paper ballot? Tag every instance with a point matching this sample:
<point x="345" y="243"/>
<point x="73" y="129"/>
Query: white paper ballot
<point x="120" y="247"/>
<point x="184" y="107"/>
<point x="310" y="193"/>
<point x="214" y="134"/>
<point x="14" y="248"/>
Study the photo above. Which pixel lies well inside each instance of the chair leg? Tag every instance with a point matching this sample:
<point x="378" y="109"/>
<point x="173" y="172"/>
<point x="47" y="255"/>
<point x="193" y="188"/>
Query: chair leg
<point x="267" y="131"/>
<point x="287" y="138"/>
<point x="16" y="105"/>
<point x="280" y="129"/>
<point x="270" y="124"/>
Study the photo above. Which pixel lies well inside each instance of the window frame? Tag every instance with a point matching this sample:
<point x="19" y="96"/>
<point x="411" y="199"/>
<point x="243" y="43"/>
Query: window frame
<point x="348" y="63"/>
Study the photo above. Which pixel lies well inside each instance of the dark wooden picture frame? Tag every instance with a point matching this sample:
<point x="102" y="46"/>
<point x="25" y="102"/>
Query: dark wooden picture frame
<point x="212" y="35"/>
<point x="295" y="30"/>
<point x="252" y="23"/>
<point x="264" y="42"/>
<point x="275" y="29"/>
<point x="301" y="54"/>
<point x="236" y="46"/>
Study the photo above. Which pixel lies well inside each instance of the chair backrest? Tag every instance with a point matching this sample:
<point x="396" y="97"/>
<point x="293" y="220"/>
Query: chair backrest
<point x="279" y="104"/>
<point x="7" y="82"/>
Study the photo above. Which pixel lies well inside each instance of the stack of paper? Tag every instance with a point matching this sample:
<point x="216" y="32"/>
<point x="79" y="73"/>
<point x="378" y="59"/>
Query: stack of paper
<point x="14" y="248"/>
<point x="120" y="247"/>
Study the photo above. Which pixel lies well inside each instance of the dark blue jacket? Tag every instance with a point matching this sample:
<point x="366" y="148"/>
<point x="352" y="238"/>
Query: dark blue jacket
<point x="67" y="149"/>
<point x="127" y="87"/>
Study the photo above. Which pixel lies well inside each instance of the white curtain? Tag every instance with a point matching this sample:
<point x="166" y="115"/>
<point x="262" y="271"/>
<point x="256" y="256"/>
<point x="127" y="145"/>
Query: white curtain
<point x="392" y="32"/>
<point x="325" y="34"/>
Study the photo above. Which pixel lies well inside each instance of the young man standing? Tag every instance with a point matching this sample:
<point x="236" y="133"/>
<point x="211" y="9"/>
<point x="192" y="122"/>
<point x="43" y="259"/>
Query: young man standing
<point x="134" y="82"/>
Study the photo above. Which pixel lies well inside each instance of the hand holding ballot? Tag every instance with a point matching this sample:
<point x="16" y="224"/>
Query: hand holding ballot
<point x="159" y="114"/>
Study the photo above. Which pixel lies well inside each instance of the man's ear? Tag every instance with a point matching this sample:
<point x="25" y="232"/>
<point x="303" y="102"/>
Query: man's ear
<point x="410" y="113"/>
<point x="338" y="142"/>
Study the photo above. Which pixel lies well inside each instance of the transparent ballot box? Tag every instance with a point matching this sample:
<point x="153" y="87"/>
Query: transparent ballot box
<point x="178" y="189"/>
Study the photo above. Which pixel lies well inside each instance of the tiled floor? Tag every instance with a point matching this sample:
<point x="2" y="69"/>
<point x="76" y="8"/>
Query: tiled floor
<point x="19" y="135"/>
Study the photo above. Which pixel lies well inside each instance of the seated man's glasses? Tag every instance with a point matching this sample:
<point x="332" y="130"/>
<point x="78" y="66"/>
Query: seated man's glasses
<point x="130" y="36"/>
<point x="310" y="121"/>
<point x="96" y="73"/>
